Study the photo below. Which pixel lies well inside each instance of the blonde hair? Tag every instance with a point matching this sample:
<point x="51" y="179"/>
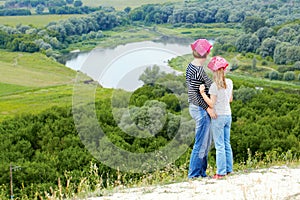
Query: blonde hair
<point x="197" y="55"/>
<point x="219" y="78"/>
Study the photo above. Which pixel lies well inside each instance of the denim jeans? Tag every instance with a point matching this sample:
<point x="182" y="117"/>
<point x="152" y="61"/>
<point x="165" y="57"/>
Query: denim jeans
<point x="198" y="160"/>
<point x="220" y="128"/>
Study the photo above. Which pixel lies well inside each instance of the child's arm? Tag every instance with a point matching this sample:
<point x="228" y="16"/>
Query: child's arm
<point x="210" y="101"/>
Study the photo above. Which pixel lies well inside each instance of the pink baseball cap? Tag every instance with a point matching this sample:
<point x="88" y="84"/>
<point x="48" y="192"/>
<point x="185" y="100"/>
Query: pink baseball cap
<point x="216" y="63"/>
<point x="202" y="46"/>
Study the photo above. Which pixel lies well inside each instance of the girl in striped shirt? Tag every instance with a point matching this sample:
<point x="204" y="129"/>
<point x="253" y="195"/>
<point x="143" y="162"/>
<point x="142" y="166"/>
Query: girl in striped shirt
<point x="198" y="108"/>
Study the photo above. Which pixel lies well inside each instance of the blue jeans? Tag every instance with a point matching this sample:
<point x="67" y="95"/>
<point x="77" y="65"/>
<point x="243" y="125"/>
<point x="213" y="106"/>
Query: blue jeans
<point x="220" y="128"/>
<point x="198" y="160"/>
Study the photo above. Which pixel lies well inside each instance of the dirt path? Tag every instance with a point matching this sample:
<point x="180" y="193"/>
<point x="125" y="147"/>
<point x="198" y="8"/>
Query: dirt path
<point x="276" y="183"/>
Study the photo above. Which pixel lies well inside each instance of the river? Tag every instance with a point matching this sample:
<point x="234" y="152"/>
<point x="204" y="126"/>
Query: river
<point x="120" y="67"/>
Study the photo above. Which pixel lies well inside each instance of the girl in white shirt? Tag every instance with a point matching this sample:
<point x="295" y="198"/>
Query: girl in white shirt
<point x="220" y="97"/>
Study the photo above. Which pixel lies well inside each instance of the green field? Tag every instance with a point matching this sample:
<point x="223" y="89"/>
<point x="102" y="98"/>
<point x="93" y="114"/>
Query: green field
<point x="35" y="20"/>
<point x="33" y="70"/>
<point x="31" y="83"/>
<point x="121" y="4"/>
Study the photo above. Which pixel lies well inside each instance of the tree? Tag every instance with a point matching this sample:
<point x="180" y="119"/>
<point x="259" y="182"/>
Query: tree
<point x="236" y="16"/>
<point x="273" y="75"/>
<point x="247" y="43"/>
<point x="190" y="18"/>
<point x="252" y="24"/>
<point x="297" y="65"/>
<point x="127" y="9"/>
<point x="222" y="15"/>
<point x="265" y="32"/>
<point x="150" y="75"/>
<point x="77" y="3"/>
<point x="40" y="9"/>
<point x="70" y="1"/>
<point x="254" y="64"/>
<point x="289" y="76"/>
<point x="136" y="14"/>
<point x="285" y="53"/>
<point x="267" y="47"/>
<point x="287" y="34"/>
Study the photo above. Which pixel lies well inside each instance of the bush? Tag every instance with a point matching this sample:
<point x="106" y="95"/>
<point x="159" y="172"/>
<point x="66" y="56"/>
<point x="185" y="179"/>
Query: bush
<point x="264" y="63"/>
<point x="274" y="75"/>
<point x="244" y="94"/>
<point x="249" y="55"/>
<point x="283" y="69"/>
<point x="266" y="75"/>
<point x="289" y="76"/>
<point x="269" y="58"/>
<point x="234" y="67"/>
<point x="297" y="65"/>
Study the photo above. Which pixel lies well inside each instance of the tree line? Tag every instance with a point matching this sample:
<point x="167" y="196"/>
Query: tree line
<point x="23" y="7"/>
<point x="266" y="31"/>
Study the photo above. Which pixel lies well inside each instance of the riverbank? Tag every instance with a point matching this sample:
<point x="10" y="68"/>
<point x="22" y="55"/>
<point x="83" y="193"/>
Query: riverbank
<point x="276" y="183"/>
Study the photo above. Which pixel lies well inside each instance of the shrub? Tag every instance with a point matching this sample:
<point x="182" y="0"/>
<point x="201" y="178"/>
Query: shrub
<point x="264" y="63"/>
<point x="269" y="58"/>
<point x="234" y="67"/>
<point x="283" y="69"/>
<point x="274" y="75"/>
<point x="297" y="65"/>
<point x="244" y="94"/>
<point x="289" y="76"/>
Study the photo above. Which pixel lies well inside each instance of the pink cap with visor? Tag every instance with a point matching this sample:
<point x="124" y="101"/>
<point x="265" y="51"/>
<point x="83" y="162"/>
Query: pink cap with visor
<point x="202" y="46"/>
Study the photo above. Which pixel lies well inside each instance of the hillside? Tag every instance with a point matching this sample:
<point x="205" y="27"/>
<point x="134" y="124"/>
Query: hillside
<point x="30" y="83"/>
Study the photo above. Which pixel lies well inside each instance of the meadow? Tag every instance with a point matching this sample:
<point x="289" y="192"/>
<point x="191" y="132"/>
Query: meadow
<point x="34" y="20"/>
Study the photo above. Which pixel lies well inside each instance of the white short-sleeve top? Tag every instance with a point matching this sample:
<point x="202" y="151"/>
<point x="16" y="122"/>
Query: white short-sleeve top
<point x="222" y="105"/>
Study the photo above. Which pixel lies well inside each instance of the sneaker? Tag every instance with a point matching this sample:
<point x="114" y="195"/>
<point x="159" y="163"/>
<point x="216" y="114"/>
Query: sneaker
<point x="218" y="176"/>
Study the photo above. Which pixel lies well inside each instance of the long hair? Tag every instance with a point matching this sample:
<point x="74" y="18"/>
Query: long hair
<point x="219" y="78"/>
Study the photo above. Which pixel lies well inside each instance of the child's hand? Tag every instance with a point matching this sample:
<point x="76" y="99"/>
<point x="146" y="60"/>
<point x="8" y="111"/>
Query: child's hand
<point x="202" y="88"/>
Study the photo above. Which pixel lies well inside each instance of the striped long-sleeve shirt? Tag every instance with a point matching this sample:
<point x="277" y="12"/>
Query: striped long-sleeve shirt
<point x="195" y="76"/>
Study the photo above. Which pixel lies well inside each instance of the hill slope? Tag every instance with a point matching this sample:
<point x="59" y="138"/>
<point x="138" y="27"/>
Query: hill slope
<point x="32" y="82"/>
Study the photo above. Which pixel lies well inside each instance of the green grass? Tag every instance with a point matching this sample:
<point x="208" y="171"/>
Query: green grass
<point x="6" y="89"/>
<point x="32" y="70"/>
<point x="121" y="4"/>
<point x="32" y="82"/>
<point x="36" y="100"/>
<point x="35" y="20"/>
